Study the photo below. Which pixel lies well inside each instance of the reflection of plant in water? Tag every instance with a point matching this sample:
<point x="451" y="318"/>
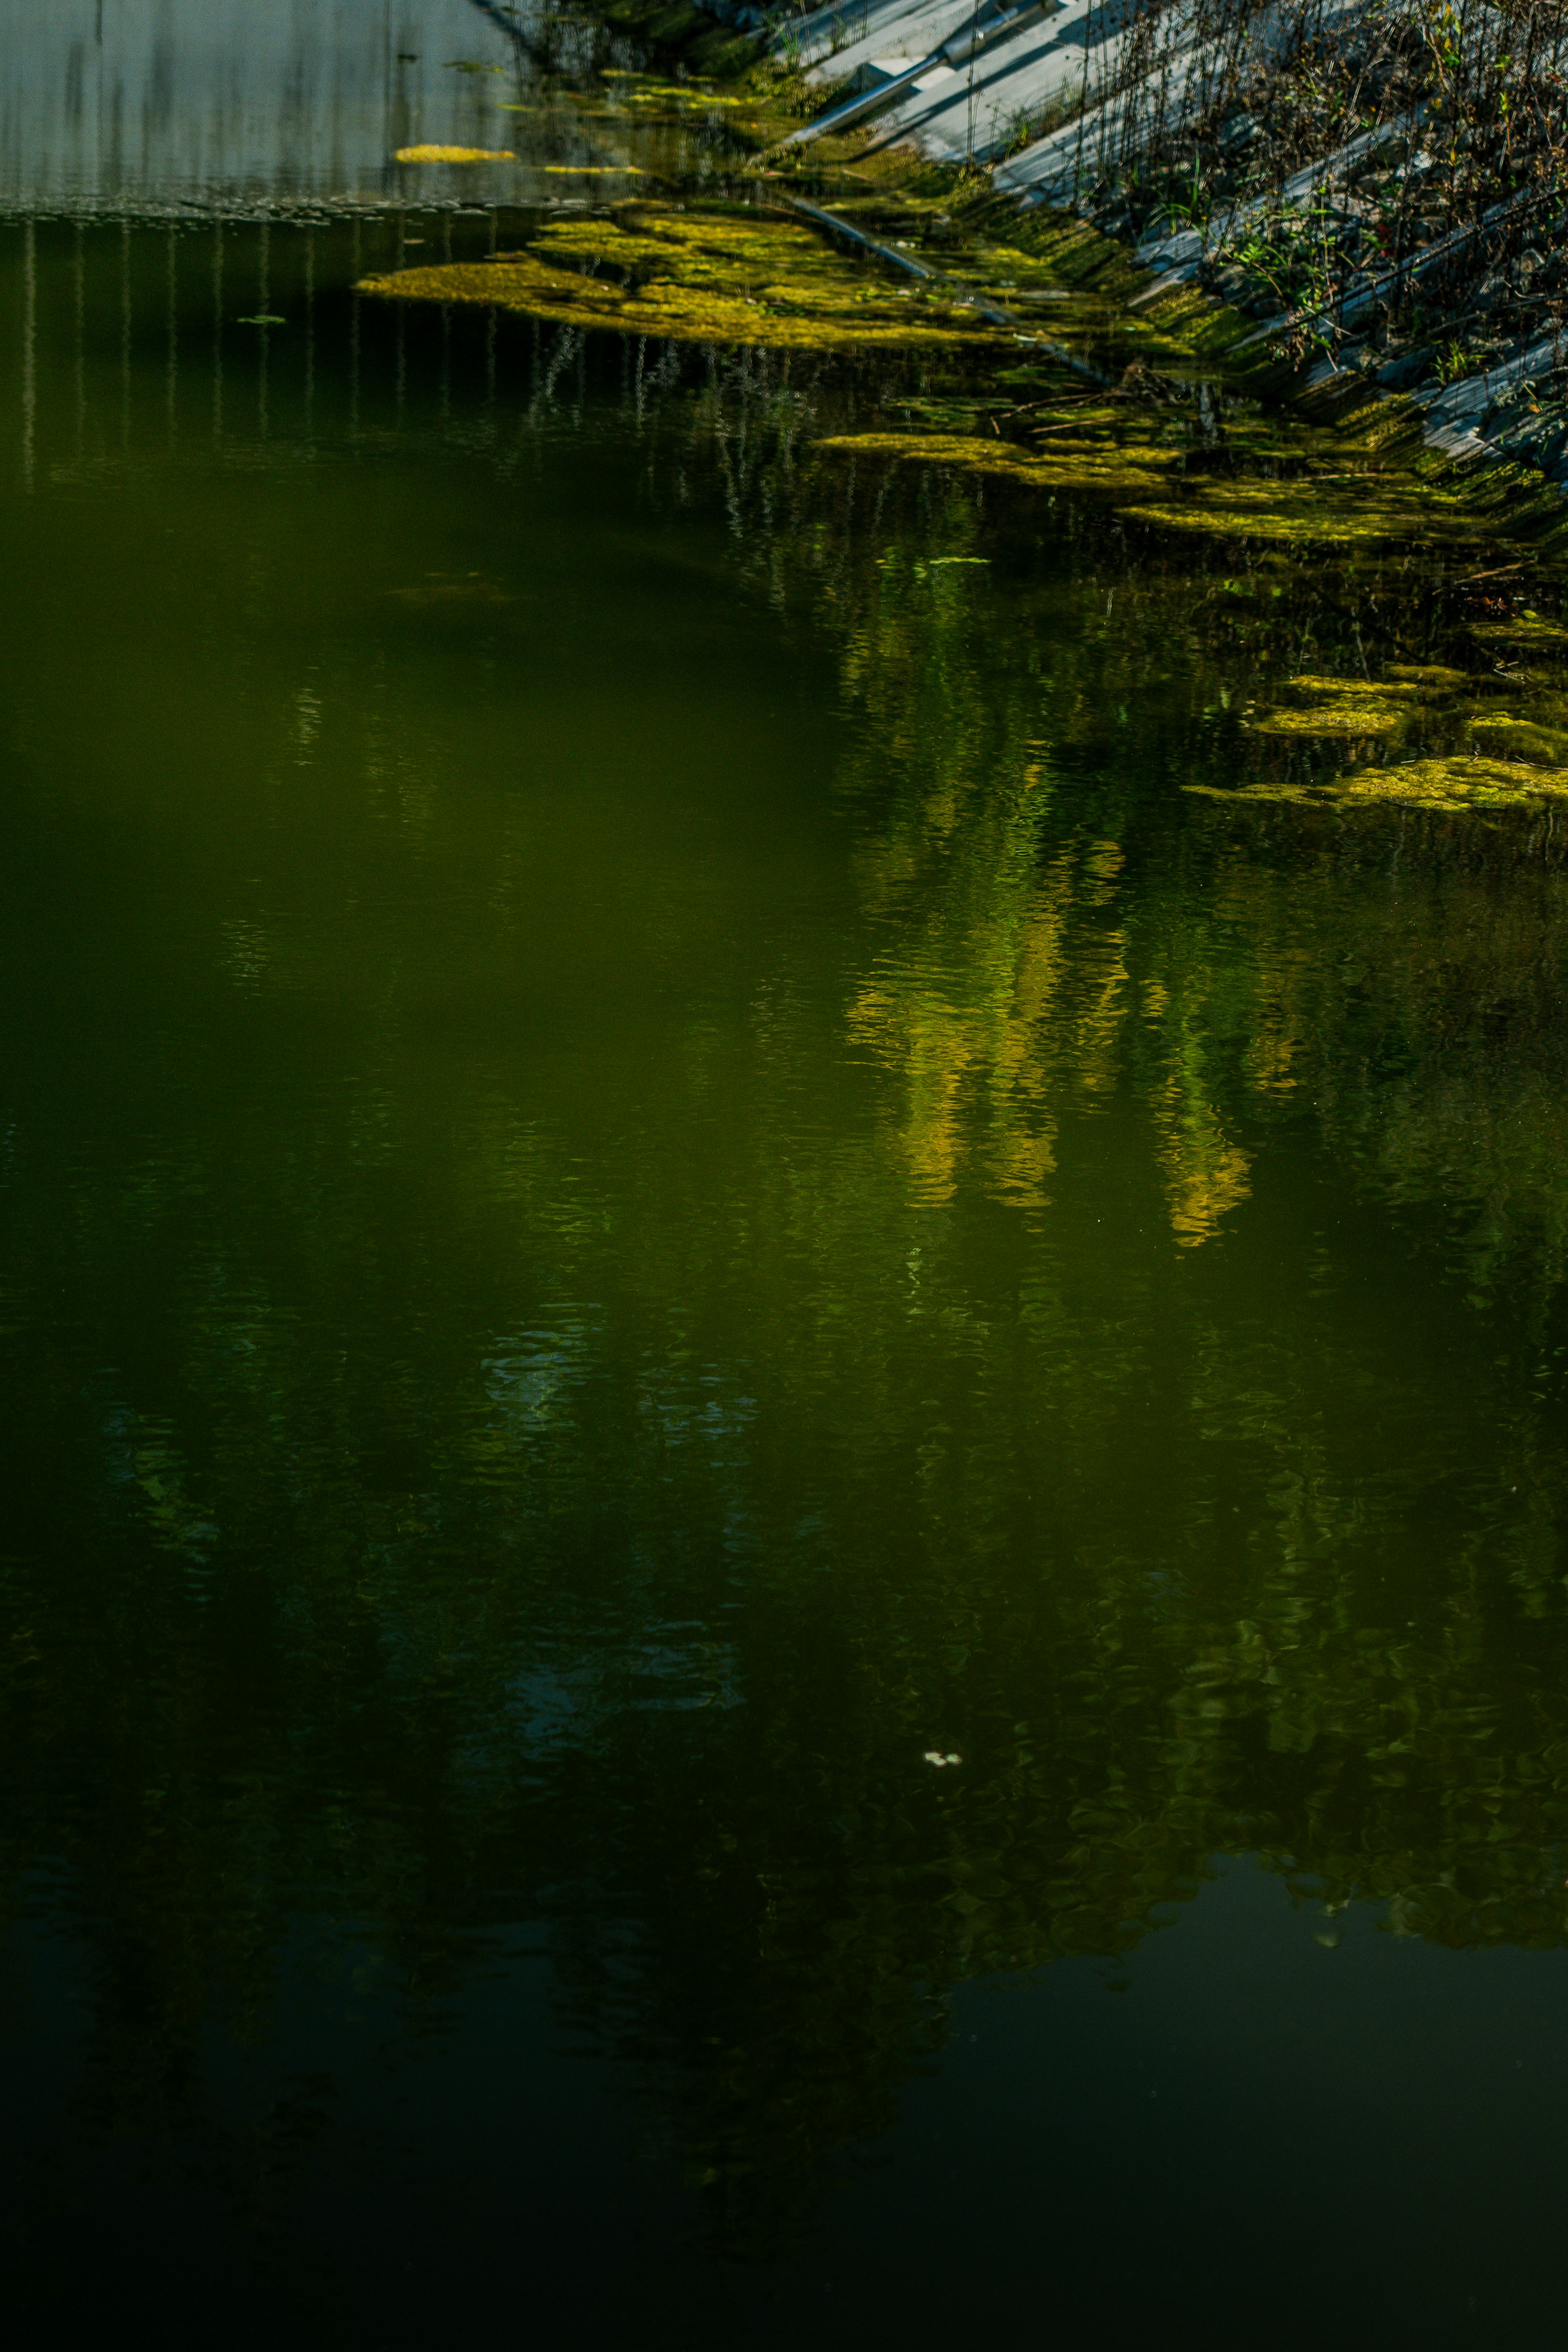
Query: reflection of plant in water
<point x="631" y="1599"/>
<point x="1207" y="1174"/>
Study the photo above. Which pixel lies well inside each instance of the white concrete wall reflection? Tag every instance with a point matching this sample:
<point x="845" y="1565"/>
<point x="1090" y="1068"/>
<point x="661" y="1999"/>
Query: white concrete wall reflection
<point x="109" y="104"/>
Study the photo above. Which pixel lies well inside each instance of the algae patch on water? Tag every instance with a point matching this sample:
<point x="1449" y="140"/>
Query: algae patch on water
<point x="462" y="588"/>
<point x="455" y="155"/>
<point x="1518" y="738"/>
<point x="696" y="278"/>
<point x="1455" y="783"/>
<point x="1344" y="707"/>
<point x="1469" y="752"/>
<point x="1078" y="464"/>
<point x="1307" y="511"/>
<point x="1527" y="629"/>
<point x="1146" y="464"/>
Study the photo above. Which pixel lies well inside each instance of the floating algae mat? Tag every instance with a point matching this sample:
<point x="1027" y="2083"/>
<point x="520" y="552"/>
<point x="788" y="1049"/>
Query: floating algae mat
<point x="1457" y="782"/>
<point x="1075" y="465"/>
<point x="1095" y="451"/>
<point x="1338" y="706"/>
<point x="1310" y="510"/>
<point x="697" y="277"/>
<point x="455" y="155"/>
<point x="1524" y="629"/>
<point x="1518" y="738"/>
<point x="1508" y="760"/>
<point x="683" y="97"/>
<point x="1454" y="783"/>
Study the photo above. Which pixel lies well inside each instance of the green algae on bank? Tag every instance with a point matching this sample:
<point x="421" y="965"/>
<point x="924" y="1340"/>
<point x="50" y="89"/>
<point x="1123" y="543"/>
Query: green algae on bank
<point x="697" y="277"/>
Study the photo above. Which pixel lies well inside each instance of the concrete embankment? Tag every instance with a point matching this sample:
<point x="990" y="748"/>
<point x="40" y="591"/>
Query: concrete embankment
<point x="1376" y="185"/>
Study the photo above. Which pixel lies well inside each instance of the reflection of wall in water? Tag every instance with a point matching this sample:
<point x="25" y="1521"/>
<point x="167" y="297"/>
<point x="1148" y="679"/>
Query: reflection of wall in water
<point x="121" y="337"/>
<point x="106" y="102"/>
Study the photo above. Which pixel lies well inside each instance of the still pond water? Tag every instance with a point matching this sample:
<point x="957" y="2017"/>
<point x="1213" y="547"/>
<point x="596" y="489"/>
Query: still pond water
<point x="784" y="1455"/>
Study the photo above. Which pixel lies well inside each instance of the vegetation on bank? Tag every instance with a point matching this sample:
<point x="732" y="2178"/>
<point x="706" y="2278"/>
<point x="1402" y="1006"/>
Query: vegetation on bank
<point x="1358" y="207"/>
<point x="1194" y="427"/>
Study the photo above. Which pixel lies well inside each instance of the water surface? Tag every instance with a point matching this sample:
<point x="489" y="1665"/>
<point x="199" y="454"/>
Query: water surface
<point x="785" y="1454"/>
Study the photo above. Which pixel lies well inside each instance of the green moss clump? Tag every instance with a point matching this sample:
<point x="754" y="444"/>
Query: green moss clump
<point x="1456" y="784"/>
<point x="1524" y="629"/>
<point x="1304" y="512"/>
<point x="697" y="277"/>
<point x="1431" y="676"/>
<point x="1372" y="720"/>
<point x="1061" y="466"/>
<point x="1354" y="689"/>
<point x="1344" y="707"/>
<point x="1520" y="738"/>
<point x="1452" y="784"/>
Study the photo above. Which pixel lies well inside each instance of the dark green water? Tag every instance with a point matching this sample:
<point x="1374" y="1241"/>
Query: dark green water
<point x="656" y="1170"/>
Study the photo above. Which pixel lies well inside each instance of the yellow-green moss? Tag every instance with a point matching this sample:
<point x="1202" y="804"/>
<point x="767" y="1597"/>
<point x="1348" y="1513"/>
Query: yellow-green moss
<point x="1524" y="629"/>
<point x="1303" y="512"/>
<point x="1455" y="783"/>
<point x="1451" y="783"/>
<point x="455" y="155"/>
<point x="1520" y="738"/>
<point x="1060" y="465"/>
<point x="697" y="277"/>
<point x="1354" y="689"/>
<point x="1431" y="676"/>
<point x="1348" y="718"/>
